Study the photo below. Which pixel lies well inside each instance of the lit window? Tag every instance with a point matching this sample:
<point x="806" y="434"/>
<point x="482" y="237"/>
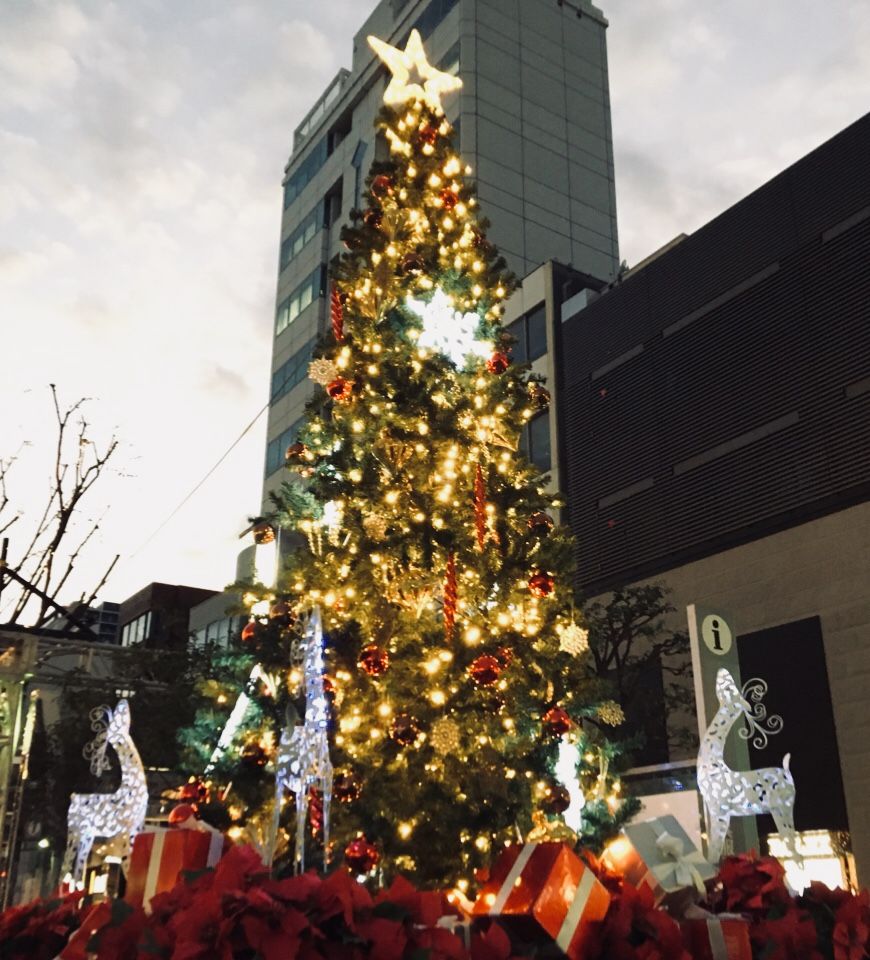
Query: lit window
<point x="305" y="172"/>
<point x="535" y="442"/>
<point x="290" y="308"/>
<point x="301" y="236"/>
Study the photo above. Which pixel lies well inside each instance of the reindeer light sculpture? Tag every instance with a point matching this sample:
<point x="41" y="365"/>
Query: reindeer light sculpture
<point x="303" y="751"/>
<point x="110" y="815"/>
<point x="731" y="793"/>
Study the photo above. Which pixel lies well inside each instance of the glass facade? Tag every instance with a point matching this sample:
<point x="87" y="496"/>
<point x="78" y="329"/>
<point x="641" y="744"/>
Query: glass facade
<point x="276" y="448"/>
<point x="306" y="293"/>
<point x="530" y="332"/>
<point x="218" y="631"/>
<point x="301" y="236"/>
<point x="136" y="631"/>
<point x="291" y="373"/>
<point x="535" y="442"/>
<point x="305" y="171"/>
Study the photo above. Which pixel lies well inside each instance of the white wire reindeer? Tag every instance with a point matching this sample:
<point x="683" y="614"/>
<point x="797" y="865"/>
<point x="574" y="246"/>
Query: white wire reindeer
<point x="731" y="793"/>
<point x="110" y="815"/>
<point x="303" y="751"/>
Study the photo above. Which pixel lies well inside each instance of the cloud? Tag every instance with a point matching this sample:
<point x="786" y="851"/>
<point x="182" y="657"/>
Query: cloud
<point x="142" y="148"/>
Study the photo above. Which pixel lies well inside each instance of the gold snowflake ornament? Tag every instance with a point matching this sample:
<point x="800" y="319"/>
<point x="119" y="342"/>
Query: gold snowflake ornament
<point x="445" y="736"/>
<point x="414" y="78"/>
<point x="322" y="371"/>
<point x="572" y="639"/>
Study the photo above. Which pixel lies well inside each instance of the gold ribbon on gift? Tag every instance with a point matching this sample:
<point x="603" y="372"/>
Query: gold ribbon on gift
<point x="677" y="867"/>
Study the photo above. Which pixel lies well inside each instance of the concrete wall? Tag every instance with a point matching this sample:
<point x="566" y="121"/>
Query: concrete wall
<point x="820" y="568"/>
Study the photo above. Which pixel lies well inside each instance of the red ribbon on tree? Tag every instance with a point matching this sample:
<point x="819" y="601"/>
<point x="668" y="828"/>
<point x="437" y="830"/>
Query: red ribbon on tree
<point x="337" y="315"/>
<point x="450" y="597"/>
<point x="480" y="507"/>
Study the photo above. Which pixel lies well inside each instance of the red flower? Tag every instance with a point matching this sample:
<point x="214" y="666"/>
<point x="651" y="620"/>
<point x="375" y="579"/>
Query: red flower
<point x="634" y="929"/>
<point x="791" y="936"/>
<point x="751" y="884"/>
<point x="852" y="927"/>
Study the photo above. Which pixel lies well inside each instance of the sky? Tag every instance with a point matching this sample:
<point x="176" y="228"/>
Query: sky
<point x="142" y="145"/>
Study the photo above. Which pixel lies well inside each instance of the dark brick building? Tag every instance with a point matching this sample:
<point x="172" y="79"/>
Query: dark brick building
<point x="715" y="435"/>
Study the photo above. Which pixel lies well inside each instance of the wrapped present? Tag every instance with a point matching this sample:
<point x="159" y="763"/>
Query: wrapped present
<point x="659" y="854"/>
<point x="717" y="938"/>
<point x="159" y="856"/>
<point x="92" y="922"/>
<point x="543" y="893"/>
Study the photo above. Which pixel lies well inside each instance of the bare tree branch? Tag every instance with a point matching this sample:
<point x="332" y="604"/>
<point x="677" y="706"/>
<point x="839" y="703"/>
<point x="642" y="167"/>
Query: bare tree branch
<point x="47" y="563"/>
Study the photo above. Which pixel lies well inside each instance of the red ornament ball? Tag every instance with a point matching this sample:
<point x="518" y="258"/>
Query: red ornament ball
<point x="345" y="787"/>
<point x="541" y="584"/>
<point x="374" y="660"/>
<point x="373" y="217"/>
<point x="361" y="856"/>
<point x="556" y="799"/>
<point x="448" y="199"/>
<point x="541" y="523"/>
<point x="556" y="722"/>
<point x="295" y="453"/>
<point x="498" y="362"/>
<point x="484" y="670"/>
<point x="404" y="729"/>
<point x="249" y="631"/>
<point x="382" y="186"/>
<point x="340" y="390"/>
<point x="263" y="532"/>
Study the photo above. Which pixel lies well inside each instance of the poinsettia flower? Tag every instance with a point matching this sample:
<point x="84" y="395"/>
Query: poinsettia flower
<point x="752" y="884"/>
<point x="852" y="928"/>
<point x="791" y="936"/>
<point x="340" y="894"/>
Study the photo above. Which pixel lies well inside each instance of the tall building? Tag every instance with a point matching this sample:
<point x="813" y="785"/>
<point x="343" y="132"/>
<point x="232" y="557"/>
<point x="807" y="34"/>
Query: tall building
<point x="715" y="419"/>
<point x="533" y="118"/>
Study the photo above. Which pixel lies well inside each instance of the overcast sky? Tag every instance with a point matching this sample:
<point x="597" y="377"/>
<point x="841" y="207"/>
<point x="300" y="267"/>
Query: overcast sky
<point x="142" y="145"/>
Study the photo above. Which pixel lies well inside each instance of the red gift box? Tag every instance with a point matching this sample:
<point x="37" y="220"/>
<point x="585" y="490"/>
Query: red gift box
<point x="717" y="938"/>
<point x="544" y="891"/>
<point x="94" y="920"/>
<point x="159" y="856"/>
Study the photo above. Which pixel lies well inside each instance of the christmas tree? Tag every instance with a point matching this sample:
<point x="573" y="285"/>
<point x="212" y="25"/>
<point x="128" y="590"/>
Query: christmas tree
<point x="428" y="545"/>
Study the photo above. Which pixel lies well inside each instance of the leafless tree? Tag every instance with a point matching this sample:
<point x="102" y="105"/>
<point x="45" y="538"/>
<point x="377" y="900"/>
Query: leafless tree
<point x="53" y="546"/>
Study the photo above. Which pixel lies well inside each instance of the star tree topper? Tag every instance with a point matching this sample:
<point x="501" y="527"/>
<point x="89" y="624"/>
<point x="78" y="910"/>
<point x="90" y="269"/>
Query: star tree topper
<point x="414" y="78"/>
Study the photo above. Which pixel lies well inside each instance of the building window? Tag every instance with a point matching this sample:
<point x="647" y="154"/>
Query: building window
<point x="136" y="631"/>
<point x="449" y="63"/>
<point x="305" y="294"/>
<point x="301" y="237"/>
<point x="535" y="442"/>
<point x="276" y="449"/>
<point x="530" y="332"/>
<point x="291" y="373"/>
<point x="432" y="16"/>
<point x="305" y="172"/>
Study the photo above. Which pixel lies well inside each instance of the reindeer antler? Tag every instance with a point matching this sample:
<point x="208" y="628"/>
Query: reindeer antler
<point x="759" y="726"/>
<point x="95" y="750"/>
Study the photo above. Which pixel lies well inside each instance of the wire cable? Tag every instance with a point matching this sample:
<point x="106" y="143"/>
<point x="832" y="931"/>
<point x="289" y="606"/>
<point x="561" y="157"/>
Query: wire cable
<point x="223" y="457"/>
